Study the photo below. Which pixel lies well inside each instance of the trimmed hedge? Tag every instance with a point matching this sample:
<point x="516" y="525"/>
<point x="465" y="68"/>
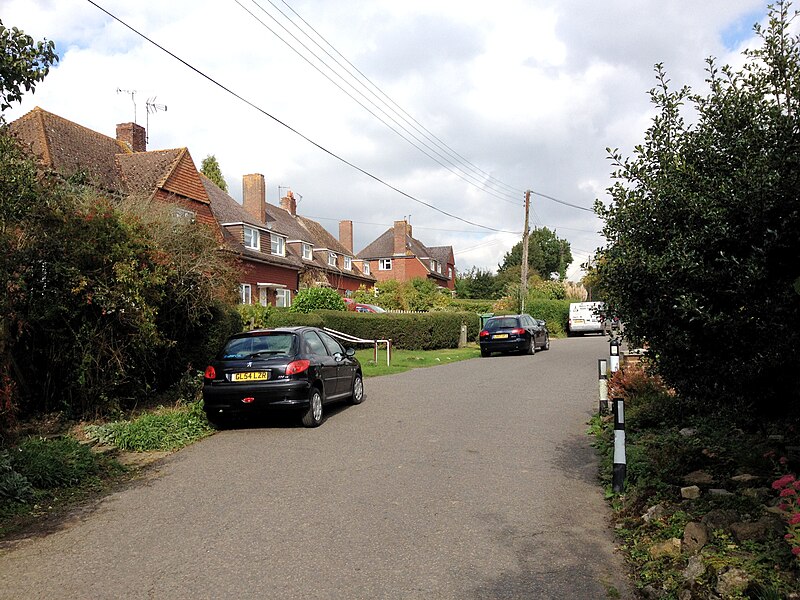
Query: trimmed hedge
<point x="471" y="305"/>
<point x="553" y="312"/>
<point x="287" y="319"/>
<point x="415" y="331"/>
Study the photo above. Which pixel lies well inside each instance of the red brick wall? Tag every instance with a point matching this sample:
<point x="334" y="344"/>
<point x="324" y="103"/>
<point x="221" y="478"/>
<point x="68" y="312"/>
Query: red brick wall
<point x="256" y="272"/>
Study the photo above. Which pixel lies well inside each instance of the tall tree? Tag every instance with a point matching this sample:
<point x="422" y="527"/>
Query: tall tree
<point x="210" y="168"/>
<point x="547" y="254"/>
<point x="23" y="63"/>
<point x="704" y="230"/>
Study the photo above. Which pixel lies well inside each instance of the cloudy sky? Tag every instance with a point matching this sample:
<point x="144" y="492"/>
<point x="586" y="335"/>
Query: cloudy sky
<point x="454" y="104"/>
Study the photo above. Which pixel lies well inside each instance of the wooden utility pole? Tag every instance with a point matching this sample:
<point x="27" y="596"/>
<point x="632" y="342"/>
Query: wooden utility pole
<point x="523" y="288"/>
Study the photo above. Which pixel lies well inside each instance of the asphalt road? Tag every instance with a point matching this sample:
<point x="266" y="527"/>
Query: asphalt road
<point x="467" y="481"/>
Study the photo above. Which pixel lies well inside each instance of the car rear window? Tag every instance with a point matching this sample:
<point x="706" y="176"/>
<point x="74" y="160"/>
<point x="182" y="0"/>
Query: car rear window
<point x="268" y="344"/>
<point x="501" y="323"/>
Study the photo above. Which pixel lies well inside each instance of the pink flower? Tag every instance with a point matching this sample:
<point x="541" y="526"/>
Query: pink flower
<point x="783" y="481"/>
<point x="797" y="485"/>
<point x="788" y="492"/>
<point x="783" y="506"/>
<point x="783" y="460"/>
<point x="796" y="550"/>
<point x="794" y="519"/>
<point x="788" y="536"/>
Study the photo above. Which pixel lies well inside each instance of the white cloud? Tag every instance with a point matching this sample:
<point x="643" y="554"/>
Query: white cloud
<point x="531" y="92"/>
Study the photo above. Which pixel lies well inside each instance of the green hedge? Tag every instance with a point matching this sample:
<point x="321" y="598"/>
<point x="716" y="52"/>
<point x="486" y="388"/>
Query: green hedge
<point x="470" y="305"/>
<point x="554" y="312"/>
<point x="415" y="331"/>
<point x="287" y="319"/>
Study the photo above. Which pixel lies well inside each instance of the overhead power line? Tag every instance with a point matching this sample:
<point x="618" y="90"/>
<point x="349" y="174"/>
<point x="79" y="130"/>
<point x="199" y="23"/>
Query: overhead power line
<point x="292" y="129"/>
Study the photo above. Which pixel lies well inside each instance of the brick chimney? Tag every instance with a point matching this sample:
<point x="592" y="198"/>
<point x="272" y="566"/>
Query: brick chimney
<point x="401" y="229"/>
<point x="254" y="196"/>
<point x="289" y="203"/>
<point x="346" y="235"/>
<point x="132" y="135"/>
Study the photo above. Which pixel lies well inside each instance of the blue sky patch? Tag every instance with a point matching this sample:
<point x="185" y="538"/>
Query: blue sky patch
<point x="741" y="29"/>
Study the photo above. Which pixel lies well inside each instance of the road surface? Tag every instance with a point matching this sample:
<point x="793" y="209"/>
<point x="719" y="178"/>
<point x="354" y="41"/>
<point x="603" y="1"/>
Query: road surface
<point x="472" y="480"/>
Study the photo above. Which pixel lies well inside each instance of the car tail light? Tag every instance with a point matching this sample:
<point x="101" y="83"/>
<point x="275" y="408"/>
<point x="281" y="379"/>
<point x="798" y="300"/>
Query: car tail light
<point x="248" y="400"/>
<point x="297" y="366"/>
<point x="211" y="373"/>
<point x="484" y="333"/>
<point x="518" y="331"/>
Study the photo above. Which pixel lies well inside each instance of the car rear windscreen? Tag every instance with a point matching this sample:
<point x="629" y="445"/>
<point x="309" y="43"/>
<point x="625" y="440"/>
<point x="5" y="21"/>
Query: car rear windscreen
<point x="502" y="323"/>
<point x="268" y="344"/>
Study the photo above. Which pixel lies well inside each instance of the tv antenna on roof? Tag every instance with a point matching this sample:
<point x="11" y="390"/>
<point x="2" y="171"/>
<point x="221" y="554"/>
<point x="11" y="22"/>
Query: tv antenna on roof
<point x="132" y="94"/>
<point x="152" y="108"/>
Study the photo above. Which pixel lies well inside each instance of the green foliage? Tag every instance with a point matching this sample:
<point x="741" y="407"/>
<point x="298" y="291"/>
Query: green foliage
<point x="52" y="463"/>
<point x="547" y="254"/>
<point x="254" y="316"/>
<point x="423" y="331"/>
<point x="704" y="232"/>
<point x="289" y="319"/>
<point x="418" y="294"/>
<point x="317" y="298"/>
<point x="553" y="312"/>
<point x="211" y="169"/>
<point x="13" y="486"/>
<point x="23" y="63"/>
<point x="476" y="306"/>
<point x="478" y="283"/>
<point x="163" y="429"/>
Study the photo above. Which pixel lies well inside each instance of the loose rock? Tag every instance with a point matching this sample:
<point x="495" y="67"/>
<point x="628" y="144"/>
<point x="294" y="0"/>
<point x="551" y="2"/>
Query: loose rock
<point x="672" y="548"/>
<point x="732" y="582"/>
<point x="695" y="536"/>
<point x="720" y="518"/>
<point x="654" y="513"/>
<point x="691" y="492"/>
<point x="699" y="478"/>
<point x="695" y="569"/>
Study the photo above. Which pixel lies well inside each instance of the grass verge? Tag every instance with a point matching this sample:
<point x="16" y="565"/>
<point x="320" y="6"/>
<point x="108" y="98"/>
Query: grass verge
<point x="403" y="360"/>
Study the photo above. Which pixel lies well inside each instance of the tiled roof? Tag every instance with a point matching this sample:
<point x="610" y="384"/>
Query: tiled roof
<point x="323" y="238"/>
<point x="69" y="148"/>
<point x="143" y="172"/>
<point x="383" y="247"/>
<point x="227" y="210"/>
<point x="444" y="254"/>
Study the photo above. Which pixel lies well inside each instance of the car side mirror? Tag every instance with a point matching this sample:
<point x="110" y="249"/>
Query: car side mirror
<point x="350" y="352"/>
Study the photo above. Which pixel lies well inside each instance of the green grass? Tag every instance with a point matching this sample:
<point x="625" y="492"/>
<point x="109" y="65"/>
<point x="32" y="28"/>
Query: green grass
<point x="403" y="360"/>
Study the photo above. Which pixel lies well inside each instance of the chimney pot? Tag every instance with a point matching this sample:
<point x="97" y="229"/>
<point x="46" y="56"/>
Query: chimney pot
<point x="346" y="235"/>
<point x="289" y="203"/>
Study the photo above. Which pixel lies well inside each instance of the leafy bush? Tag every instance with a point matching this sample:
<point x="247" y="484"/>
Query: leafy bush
<point x="13" y="486"/>
<point x="422" y="331"/>
<point x="553" y="312"/>
<point x="317" y="298"/>
<point x="51" y="463"/>
<point x="254" y="316"/>
<point x="288" y="319"/>
<point x="164" y="429"/>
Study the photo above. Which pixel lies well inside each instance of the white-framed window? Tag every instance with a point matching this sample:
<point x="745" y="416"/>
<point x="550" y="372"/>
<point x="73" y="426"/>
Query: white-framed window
<point x="283" y="298"/>
<point x="263" y="296"/>
<point x="449" y="272"/>
<point x="308" y="252"/>
<point x="365" y="267"/>
<point x="332" y="259"/>
<point x="385" y="264"/>
<point x="439" y="268"/>
<point x="277" y="245"/>
<point x="348" y="263"/>
<point x="245" y="293"/>
<point x="251" y="238"/>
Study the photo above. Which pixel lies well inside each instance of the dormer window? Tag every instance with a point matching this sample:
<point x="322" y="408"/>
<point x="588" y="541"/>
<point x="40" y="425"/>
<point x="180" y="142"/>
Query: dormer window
<point x="449" y="272"/>
<point x="348" y="263"/>
<point x="277" y="245"/>
<point x="308" y="253"/>
<point x="251" y="238"/>
<point x="365" y="267"/>
<point x="332" y="259"/>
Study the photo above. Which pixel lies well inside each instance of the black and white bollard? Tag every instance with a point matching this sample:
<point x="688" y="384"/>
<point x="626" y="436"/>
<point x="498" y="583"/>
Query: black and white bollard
<point x="620" y="463"/>
<point x="602" y="376"/>
<point x="613" y="352"/>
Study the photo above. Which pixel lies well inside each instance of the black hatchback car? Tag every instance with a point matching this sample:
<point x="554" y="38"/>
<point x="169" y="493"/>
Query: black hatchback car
<point x="510" y="333"/>
<point x="299" y="368"/>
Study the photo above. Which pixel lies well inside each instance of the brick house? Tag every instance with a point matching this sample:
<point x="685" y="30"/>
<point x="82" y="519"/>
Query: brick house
<point x="120" y="166"/>
<point x="270" y="272"/>
<point x="324" y="260"/>
<point x="398" y="255"/>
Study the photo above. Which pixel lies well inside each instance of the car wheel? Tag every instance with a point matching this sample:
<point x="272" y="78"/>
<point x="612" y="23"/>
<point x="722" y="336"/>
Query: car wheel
<point x="313" y="416"/>
<point x="546" y="343"/>
<point x="531" y="349"/>
<point x="485" y="353"/>
<point x="357" y="397"/>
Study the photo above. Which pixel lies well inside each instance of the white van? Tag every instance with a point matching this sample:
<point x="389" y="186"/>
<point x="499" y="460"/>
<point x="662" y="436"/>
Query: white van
<point x="585" y="317"/>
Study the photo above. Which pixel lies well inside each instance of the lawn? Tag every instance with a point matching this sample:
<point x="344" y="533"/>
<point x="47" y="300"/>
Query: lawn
<point x="403" y="360"/>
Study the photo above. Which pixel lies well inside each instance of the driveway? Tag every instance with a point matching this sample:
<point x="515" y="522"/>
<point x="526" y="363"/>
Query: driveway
<point x="471" y="480"/>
